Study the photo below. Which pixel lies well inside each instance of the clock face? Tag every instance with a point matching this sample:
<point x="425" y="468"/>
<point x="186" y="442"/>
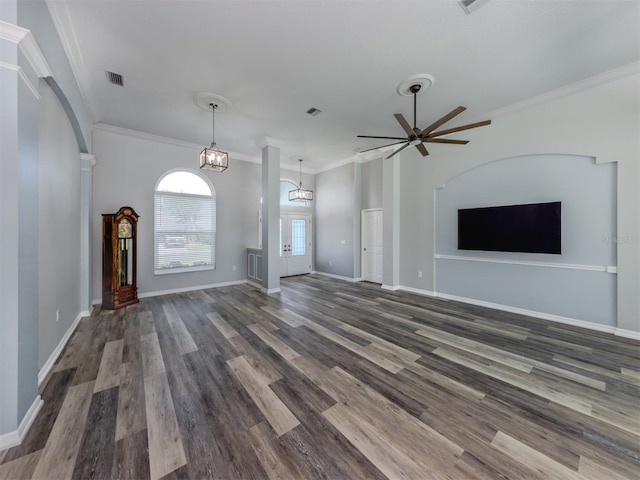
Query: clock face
<point x="124" y="229"/>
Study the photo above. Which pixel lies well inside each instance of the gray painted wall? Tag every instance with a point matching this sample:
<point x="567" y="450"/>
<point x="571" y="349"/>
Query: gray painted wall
<point x="568" y="122"/>
<point x="9" y="242"/>
<point x="335" y="221"/>
<point x="28" y="246"/>
<point x="59" y="240"/>
<point x="588" y="195"/>
<point x="372" y="184"/>
<point x="128" y="166"/>
<point x="34" y="15"/>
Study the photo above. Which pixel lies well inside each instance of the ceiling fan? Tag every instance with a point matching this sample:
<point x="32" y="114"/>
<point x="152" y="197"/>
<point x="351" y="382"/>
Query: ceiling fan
<point x="417" y="137"/>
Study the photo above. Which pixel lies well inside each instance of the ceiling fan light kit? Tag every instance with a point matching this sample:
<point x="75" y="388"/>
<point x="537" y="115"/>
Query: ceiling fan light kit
<point x="415" y="136"/>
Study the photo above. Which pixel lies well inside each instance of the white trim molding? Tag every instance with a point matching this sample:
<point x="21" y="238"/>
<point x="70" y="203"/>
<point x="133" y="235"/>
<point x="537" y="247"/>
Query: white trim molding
<point x="28" y="45"/>
<point x="269" y="291"/>
<point x="46" y="368"/>
<point x="530" y="313"/>
<point x="98" y="301"/>
<point x="270" y="142"/>
<point x="87" y="161"/>
<point x="11" y="439"/>
<point x="591" y="82"/>
<point x="127" y="132"/>
<point x="34" y="56"/>
<point x="12" y="33"/>
<point x="339" y="277"/>
<point x="621" y="332"/>
<point x="570" y="266"/>
<point x="23" y="76"/>
<point x="418" y="291"/>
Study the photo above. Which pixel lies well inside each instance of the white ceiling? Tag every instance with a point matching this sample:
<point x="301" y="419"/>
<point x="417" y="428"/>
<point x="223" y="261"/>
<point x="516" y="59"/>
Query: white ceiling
<point x="276" y="59"/>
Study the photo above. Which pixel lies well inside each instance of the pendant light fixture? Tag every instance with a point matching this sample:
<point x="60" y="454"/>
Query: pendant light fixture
<point x="212" y="158"/>
<point x="300" y="194"/>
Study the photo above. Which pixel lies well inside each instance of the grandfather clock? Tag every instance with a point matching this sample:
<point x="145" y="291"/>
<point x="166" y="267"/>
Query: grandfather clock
<point x="119" y="258"/>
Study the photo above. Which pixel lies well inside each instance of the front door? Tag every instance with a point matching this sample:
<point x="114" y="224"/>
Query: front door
<point x="295" y="244"/>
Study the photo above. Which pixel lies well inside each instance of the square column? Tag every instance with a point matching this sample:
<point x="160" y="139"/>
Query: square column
<point x="271" y="217"/>
<point x="391" y="223"/>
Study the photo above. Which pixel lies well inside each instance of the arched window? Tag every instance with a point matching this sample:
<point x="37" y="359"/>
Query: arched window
<point x="185" y="223"/>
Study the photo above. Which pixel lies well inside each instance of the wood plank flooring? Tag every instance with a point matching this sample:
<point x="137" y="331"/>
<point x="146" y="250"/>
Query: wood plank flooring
<point x="333" y="380"/>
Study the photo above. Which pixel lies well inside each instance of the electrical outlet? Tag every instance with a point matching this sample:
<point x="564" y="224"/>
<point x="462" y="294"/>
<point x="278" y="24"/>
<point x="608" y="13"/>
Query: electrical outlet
<point x="343" y="242"/>
<point x="235" y="268"/>
<point x="330" y="262"/>
<point x="419" y="274"/>
<point x="57" y="315"/>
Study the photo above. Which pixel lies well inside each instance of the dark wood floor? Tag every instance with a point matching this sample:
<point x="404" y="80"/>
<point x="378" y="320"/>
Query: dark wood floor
<point x="333" y="380"/>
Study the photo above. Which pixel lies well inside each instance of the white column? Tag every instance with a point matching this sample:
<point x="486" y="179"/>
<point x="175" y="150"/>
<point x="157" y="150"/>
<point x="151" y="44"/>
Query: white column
<point x="271" y="216"/>
<point x="19" y="399"/>
<point x="391" y="223"/>
<point x="87" y="162"/>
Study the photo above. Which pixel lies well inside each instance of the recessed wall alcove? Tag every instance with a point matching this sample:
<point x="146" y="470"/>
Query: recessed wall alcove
<point x="577" y="285"/>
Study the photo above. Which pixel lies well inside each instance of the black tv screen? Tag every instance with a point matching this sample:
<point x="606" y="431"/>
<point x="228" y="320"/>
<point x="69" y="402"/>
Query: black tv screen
<point x="532" y="228"/>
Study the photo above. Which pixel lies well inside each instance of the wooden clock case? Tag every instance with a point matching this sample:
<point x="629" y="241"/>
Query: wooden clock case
<point x="119" y="259"/>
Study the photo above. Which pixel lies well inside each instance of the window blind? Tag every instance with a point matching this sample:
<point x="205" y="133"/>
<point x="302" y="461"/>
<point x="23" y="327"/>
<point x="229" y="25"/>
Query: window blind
<point x="184" y="232"/>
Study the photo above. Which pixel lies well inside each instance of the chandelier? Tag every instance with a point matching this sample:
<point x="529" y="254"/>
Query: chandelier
<point x="212" y="158"/>
<point x="300" y="194"/>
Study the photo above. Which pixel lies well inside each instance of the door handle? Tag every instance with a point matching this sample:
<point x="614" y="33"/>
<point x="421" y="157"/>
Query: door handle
<point x="365" y="249"/>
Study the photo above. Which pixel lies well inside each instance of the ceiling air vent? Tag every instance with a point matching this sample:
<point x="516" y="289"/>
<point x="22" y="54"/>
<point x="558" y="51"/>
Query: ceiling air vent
<point x="314" y="112"/>
<point x="114" y="78"/>
<point x="470" y="6"/>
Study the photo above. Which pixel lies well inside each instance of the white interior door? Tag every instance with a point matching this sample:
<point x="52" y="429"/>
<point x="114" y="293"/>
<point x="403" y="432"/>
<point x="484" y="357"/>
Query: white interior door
<point x="295" y="244"/>
<point x="372" y="245"/>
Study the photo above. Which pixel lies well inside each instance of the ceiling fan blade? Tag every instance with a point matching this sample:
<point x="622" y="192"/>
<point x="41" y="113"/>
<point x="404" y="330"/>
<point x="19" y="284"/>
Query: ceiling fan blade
<point x="459" y="129"/>
<point x="397" y="151"/>
<point x="446" y="140"/>
<point x="387" y="138"/>
<point x="382" y="146"/>
<point x="443" y="120"/>
<point x="422" y="149"/>
<point x="404" y="124"/>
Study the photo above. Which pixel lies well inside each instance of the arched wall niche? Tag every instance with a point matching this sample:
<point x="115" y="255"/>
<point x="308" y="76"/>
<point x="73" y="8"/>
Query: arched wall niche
<point x="577" y="285"/>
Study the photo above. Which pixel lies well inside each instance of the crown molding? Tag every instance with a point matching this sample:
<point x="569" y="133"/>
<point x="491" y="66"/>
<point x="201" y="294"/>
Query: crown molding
<point x="127" y="132"/>
<point x="12" y="33"/>
<point x="573" y="88"/>
<point x="357" y="158"/>
<point x="34" y="56"/>
<point x="338" y="164"/>
<point x="67" y="34"/>
<point x="23" y="76"/>
<point x="270" y="142"/>
<point x="28" y="45"/>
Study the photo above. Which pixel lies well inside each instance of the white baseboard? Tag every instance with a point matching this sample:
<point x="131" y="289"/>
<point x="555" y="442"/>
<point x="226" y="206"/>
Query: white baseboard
<point x="393" y="288"/>
<point x="269" y="291"/>
<point x="621" y="332"/>
<point x="11" y="439"/>
<point x="190" y="289"/>
<point x="97" y="301"/>
<point x="426" y="293"/>
<point x="531" y="313"/>
<point x="44" y="371"/>
<point x="339" y="277"/>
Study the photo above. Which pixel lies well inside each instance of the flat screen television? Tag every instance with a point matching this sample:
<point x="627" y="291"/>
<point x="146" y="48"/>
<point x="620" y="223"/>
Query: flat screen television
<point x="532" y="228"/>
